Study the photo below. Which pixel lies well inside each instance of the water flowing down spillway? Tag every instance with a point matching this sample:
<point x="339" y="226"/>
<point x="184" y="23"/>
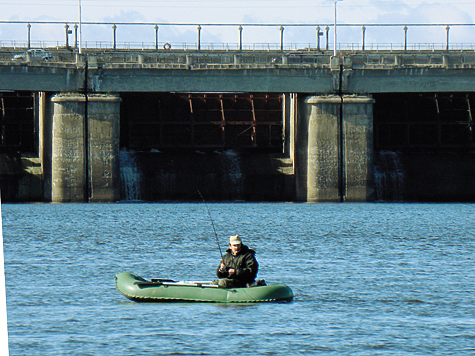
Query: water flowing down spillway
<point x="130" y="177"/>
<point x="388" y="176"/>
<point x="226" y="175"/>
<point x="155" y="176"/>
<point x="233" y="176"/>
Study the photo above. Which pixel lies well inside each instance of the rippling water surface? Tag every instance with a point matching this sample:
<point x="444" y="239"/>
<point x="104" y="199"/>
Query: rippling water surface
<point x="382" y="279"/>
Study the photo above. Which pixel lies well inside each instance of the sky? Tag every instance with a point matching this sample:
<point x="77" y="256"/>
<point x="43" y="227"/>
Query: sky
<point x="292" y="13"/>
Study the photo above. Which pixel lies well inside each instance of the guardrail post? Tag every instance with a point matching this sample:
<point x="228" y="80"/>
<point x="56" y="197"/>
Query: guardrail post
<point x="75" y="35"/>
<point x="68" y="32"/>
<point x="114" y="30"/>
<point x="405" y="38"/>
<point x="199" y="37"/>
<point x="319" y="33"/>
<point x="240" y="37"/>
<point x="156" y="37"/>
<point x="327" y="31"/>
<point x="281" y="38"/>
<point x="29" y="34"/>
<point x="447" y="29"/>
<point x="364" y="30"/>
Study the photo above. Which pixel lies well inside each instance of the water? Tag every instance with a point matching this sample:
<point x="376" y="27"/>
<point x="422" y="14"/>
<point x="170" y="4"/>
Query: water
<point x="369" y="279"/>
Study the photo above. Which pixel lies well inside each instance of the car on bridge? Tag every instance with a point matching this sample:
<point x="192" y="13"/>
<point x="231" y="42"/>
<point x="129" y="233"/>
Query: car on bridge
<point x="34" y="54"/>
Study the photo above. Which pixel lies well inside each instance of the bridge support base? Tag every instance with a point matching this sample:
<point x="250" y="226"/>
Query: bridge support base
<point x="334" y="149"/>
<point x="85" y="153"/>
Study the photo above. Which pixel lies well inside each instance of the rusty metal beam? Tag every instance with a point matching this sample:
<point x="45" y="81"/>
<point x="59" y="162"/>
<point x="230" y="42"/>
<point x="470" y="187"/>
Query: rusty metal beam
<point x="253" y="135"/>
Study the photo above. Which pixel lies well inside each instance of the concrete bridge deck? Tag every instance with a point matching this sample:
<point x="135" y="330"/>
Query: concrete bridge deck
<point x="241" y="71"/>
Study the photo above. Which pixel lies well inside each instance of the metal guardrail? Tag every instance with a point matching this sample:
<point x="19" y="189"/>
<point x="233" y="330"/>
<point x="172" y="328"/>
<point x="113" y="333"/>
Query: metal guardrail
<point x="147" y="46"/>
<point x="270" y="47"/>
<point x="68" y="31"/>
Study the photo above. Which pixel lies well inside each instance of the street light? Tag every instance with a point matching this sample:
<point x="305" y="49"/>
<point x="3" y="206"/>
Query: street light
<point x="80" y="28"/>
<point x="334" y="28"/>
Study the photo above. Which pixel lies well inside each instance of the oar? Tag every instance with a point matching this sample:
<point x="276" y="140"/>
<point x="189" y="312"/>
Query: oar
<point x="168" y="282"/>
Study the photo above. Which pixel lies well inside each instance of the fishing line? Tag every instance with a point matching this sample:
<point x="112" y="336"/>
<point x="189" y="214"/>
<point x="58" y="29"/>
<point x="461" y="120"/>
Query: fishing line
<point x="212" y="224"/>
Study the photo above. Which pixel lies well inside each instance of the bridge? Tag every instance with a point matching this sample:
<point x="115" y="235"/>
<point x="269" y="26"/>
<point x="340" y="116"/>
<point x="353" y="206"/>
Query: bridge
<point x="284" y="67"/>
<point x="304" y="71"/>
<point x="329" y="127"/>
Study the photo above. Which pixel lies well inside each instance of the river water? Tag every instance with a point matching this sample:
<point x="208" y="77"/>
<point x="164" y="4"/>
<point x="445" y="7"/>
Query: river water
<point x="369" y="279"/>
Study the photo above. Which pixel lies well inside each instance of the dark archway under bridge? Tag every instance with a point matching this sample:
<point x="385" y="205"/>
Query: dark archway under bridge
<point x="233" y="145"/>
<point x="223" y="144"/>
<point x="205" y="121"/>
<point x="424" y="146"/>
<point x="424" y="121"/>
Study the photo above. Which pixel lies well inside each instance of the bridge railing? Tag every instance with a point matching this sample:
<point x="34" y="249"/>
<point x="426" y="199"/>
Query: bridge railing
<point x="256" y="37"/>
<point x="271" y="47"/>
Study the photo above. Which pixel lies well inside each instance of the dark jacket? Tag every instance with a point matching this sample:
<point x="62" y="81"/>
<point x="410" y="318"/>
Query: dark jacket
<point x="244" y="263"/>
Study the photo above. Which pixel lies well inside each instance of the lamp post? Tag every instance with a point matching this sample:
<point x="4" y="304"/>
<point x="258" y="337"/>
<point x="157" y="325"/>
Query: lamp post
<point x="334" y="28"/>
<point x="80" y="29"/>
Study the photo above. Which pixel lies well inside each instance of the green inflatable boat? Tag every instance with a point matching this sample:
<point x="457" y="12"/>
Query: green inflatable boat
<point x="139" y="289"/>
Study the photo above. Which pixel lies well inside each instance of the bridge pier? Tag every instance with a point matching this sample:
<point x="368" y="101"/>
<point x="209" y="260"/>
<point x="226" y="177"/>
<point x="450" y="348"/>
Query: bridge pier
<point x="85" y="152"/>
<point x="334" y="149"/>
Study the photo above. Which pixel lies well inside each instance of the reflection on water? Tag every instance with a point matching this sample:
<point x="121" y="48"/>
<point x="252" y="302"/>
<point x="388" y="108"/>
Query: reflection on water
<point x="368" y="278"/>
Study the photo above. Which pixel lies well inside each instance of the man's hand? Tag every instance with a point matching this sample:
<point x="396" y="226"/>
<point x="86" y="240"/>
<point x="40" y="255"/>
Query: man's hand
<point x="231" y="271"/>
<point x="222" y="267"/>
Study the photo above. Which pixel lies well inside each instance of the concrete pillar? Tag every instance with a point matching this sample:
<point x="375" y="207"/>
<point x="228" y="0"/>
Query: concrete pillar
<point x="104" y="167"/>
<point x="85" y="154"/>
<point x="322" y="149"/>
<point x="358" y="148"/>
<point x="334" y="162"/>
<point x="68" y="149"/>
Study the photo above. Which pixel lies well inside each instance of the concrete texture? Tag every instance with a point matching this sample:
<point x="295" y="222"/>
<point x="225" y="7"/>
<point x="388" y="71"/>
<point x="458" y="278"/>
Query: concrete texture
<point x="358" y="148"/>
<point x="103" y="128"/>
<point x="358" y="72"/>
<point x="85" y="154"/>
<point x="68" y="149"/>
<point x="335" y="149"/>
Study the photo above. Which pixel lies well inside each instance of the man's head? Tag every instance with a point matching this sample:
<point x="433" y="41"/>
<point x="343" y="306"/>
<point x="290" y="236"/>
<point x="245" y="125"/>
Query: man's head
<point x="235" y="244"/>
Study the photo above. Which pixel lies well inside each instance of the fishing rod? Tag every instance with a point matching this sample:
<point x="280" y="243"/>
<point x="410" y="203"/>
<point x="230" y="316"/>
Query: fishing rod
<point x="212" y="224"/>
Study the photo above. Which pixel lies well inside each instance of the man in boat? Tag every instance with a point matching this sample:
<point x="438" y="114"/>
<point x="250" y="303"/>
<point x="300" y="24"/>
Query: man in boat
<point x="239" y="266"/>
